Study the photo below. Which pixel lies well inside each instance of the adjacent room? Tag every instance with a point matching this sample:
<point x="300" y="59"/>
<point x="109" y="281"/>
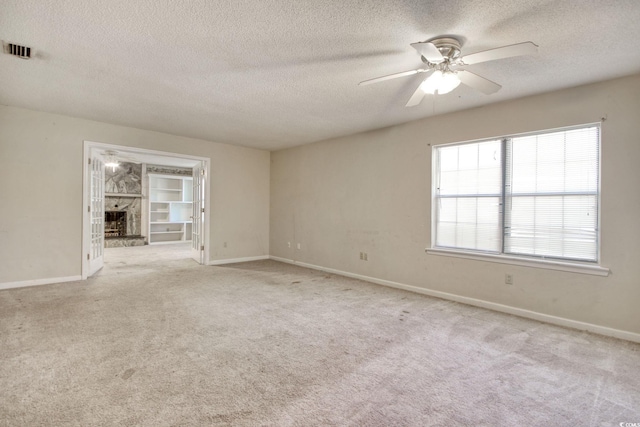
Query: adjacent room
<point x="365" y="213"/>
<point x="139" y="197"/>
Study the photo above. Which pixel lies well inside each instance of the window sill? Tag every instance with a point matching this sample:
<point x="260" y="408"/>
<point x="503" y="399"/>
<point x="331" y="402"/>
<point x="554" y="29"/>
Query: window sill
<point x="572" y="267"/>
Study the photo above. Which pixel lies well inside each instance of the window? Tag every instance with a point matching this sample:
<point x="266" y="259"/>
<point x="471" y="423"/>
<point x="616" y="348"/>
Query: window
<point x="535" y="195"/>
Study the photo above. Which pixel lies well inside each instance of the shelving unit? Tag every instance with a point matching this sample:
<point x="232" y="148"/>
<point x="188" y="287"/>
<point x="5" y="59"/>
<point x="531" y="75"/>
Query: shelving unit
<point x="170" y="208"/>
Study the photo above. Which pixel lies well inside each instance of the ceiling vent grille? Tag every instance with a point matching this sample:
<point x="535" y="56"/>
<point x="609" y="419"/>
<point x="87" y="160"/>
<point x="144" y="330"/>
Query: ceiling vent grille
<point x="23" y="52"/>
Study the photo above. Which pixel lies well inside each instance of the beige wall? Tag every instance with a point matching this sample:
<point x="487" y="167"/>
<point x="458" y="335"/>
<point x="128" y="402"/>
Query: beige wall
<point x="370" y="192"/>
<point x="41" y="191"/>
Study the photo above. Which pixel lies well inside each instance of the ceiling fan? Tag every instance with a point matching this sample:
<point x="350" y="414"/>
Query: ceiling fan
<point x="446" y="67"/>
<point x="112" y="158"/>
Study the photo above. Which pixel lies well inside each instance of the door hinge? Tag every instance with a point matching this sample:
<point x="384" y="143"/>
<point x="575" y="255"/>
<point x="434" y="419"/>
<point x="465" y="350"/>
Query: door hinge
<point x="202" y="248"/>
<point x="89" y="160"/>
<point x="89" y="208"/>
<point x="201" y="172"/>
<point x="202" y="210"/>
<point x="88" y="257"/>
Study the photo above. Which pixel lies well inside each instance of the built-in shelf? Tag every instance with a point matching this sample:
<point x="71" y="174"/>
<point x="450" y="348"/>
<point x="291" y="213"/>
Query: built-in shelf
<point x="121" y="195"/>
<point x="170" y="208"/>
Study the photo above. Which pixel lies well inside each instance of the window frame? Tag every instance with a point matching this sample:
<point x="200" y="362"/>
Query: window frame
<point x="586" y="267"/>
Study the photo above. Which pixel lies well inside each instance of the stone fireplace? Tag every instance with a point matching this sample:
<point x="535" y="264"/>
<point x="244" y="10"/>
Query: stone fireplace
<point x="115" y="224"/>
<point x="123" y="206"/>
<point x="123" y="221"/>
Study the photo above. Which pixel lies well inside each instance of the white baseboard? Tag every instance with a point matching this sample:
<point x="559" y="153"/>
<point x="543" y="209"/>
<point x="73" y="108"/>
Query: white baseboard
<point x="236" y="260"/>
<point x="561" y="321"/>
<point x="38" y="282"/>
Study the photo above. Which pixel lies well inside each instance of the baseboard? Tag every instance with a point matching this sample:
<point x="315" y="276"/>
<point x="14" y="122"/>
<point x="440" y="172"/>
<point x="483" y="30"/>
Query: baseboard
<point x="561" y="321"/>
<point x="38" y="282"/>
<point x="236" y="260"/>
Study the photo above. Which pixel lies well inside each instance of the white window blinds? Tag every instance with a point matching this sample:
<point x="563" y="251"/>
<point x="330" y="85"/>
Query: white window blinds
<point x="551" y="190"/>
<point x="468" y="192"/>
<point x="534" y="195"/>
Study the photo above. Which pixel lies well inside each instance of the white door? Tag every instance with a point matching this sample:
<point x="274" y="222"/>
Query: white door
<point x="96" y="215"/>
<point x="197" y="238"/>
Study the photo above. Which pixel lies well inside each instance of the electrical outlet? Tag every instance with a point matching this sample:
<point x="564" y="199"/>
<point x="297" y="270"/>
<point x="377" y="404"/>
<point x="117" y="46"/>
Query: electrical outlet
<point x="508" y="279"/>
<point x="363" y="256"/>
<point x="366" y="257"/>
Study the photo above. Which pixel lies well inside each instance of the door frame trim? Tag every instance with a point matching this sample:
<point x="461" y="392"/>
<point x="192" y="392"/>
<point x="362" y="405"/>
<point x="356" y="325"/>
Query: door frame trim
<point x="89" y="146"/>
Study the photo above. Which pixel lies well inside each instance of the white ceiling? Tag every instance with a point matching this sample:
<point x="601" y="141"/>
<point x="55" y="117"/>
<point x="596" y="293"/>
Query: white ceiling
<point x="273" y="73"/>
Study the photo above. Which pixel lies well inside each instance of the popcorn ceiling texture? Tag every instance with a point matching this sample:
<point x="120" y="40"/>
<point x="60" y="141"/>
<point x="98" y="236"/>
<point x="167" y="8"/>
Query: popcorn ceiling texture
<point x="155" y="339"/>
<point x="273" y="74"/>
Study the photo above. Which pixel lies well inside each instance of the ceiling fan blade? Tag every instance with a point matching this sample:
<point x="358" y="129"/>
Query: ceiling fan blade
<point x="429" y="51"/>
<point x="526" y="48"/>
<point x="477" y="82"/>
<point x="391" y="76"/>
<point x="416" y="98"/>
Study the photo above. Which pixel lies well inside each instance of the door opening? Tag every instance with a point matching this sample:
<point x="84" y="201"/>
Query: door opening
<point x="93" y="231"/>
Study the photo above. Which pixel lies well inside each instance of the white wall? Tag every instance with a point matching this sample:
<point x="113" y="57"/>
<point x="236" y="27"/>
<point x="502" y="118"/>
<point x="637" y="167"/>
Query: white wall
<point x="371" y="192"/>
<point x="41" y="191"/>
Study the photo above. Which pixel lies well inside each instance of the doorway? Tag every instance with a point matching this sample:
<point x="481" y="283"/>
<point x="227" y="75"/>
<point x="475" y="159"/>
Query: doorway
<point x="97" y="156"/>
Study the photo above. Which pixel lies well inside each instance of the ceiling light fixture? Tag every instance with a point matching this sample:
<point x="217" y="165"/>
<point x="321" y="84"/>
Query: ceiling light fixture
<point x="110" y="161"/>
<point x="440" y="81"/>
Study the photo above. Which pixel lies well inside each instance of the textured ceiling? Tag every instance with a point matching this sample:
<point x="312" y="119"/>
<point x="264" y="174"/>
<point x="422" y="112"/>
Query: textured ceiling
<point x="274" y="73"/>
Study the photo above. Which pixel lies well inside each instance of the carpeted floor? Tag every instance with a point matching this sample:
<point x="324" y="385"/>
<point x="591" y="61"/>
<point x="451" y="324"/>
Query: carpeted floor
<point x="157" y="340"/>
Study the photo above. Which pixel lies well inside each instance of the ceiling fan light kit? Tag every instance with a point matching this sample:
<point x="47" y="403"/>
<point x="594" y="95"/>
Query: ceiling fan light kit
<point x="446" y="67"/>
<point x="441" y="82"/>
<point x="110" y="160"/>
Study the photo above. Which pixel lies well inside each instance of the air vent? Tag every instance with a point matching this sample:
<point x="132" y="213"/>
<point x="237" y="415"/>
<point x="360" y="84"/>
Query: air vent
<point x="23" y="52"/>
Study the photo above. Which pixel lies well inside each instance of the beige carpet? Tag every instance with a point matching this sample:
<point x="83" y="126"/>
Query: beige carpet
<point x="157" y="340"/>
